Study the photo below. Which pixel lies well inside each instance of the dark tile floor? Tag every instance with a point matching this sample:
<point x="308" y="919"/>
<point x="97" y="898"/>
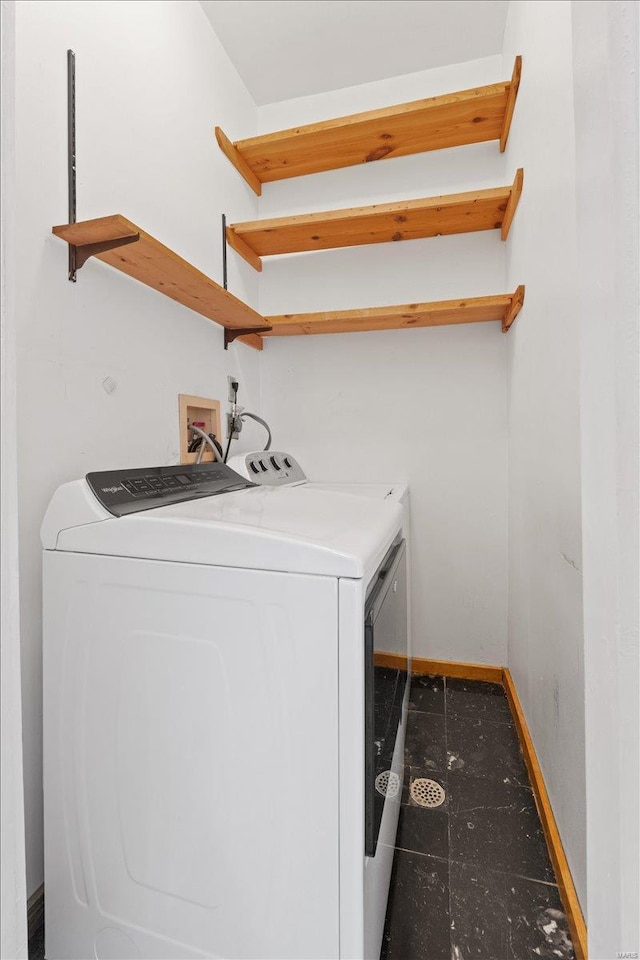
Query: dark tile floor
<point x="36" y="945"/>
<point x="471" y="878"/>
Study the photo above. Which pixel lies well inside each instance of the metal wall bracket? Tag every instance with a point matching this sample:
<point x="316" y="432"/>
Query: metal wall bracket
<point x="87" y="250"/>
<point x="71" y="154"/>
<point x="224" y="250"/>
<point x="232" y="334"/>
<point x="78" y="255"/>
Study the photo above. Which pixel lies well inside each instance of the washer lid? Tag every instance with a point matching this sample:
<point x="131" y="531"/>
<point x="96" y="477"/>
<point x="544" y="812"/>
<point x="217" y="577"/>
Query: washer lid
<point x="294" y="529"/>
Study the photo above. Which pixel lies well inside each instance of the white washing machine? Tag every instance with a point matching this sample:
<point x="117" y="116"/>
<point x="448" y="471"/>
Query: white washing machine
<point x="213" y="722"/>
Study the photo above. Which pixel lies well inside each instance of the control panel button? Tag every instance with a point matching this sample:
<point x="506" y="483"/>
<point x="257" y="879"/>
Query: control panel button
<point x="140" y="485"/>
<point x="272" y="468"/>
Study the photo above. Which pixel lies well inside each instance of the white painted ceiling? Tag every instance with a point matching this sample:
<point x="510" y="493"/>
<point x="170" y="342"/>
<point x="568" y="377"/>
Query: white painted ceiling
<point x="284" y="49"/>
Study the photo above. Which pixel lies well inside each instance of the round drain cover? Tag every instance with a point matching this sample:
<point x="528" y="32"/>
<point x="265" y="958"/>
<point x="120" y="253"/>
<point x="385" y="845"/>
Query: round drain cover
<point x="388" y="783"/>
<point x="426" y="793"/>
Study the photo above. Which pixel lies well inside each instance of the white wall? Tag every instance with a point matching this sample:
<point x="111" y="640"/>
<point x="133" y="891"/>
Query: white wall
<point x="425" y="406"/>
<point x="13" y="911"/>
<point x="605" y="49"/>
<point x="152" y="80"/>
<point x="545" y="549"/>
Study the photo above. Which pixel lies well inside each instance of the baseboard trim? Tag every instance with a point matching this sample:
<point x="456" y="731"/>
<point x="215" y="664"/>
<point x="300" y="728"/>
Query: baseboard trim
<point x="457" y="671"/>
<point x="559" y="860"/>
<point x="394" y="660"/>
<point x="502" y="675"/>
<point x="443" y="668"/>
<point x="35" y="911"/>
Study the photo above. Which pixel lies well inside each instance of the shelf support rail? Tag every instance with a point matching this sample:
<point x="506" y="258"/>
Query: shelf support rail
<point x="224" y="251"/>
<point x="232" y="334"/>
<point x="78" y="256"/>
<point x="71" y="153"/>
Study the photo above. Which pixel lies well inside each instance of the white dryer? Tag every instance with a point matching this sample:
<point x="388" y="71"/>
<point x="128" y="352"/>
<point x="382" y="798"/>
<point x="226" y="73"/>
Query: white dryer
<point x="213" y="726"/>
<point x="280" y="468"/>
<point x="277" y="468"/>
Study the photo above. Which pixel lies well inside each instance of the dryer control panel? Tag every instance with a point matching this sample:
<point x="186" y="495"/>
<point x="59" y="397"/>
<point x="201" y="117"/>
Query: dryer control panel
<point x="129" y="491"/>
<point x="270" y="468"/>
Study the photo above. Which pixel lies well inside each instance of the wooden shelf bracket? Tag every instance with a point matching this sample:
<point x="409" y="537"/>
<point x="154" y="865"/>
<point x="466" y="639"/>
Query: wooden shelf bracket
<point x="82" y="253"/>
<point x="513" y="308"/>
<point x="232" y="334"/>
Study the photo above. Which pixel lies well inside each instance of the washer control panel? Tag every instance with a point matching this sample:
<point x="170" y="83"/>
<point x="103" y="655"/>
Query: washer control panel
<point x="270" y="468"/>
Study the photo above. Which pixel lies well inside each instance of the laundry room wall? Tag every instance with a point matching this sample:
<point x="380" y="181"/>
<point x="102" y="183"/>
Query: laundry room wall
<point x="546" y="648"/>
<point x="13" y="896"/>
<point x="606" y="55"/>
<point x="100" y="362"/>
<point x="573" y="459"/>
<point x="424" y="406"/>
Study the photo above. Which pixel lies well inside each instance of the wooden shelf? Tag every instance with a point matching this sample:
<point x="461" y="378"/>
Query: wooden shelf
<point x="149" y="261"/>
<point x="145" y="259"/>
<point x="406" y="220"/>
<point x="504" y="307"/>
<point x="453" y="120"/>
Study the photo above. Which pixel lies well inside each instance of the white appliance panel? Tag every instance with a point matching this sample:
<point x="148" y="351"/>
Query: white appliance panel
<point x="371" y="491"/>
<point x="377" y="870"/>
<point x="156" y="769"/>
<point x="268" y="528"/>
<point x="352" y="777"/>
<point x="364" y="881"/>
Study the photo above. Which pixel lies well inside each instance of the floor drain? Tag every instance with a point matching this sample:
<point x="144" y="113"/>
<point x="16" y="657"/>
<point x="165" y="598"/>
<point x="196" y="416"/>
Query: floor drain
<point x="426" y="793"/>
<point x="388" y="783"/>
